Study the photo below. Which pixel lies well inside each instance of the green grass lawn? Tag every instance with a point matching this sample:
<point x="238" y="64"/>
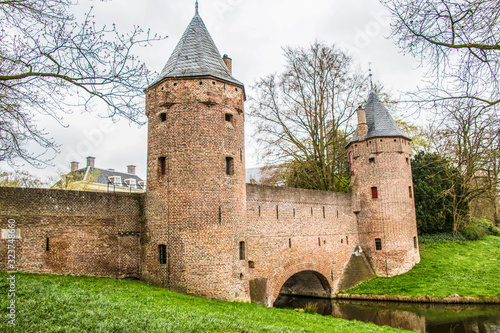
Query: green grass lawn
<point x="463" y="268"/>
<point x="48" y="303"/>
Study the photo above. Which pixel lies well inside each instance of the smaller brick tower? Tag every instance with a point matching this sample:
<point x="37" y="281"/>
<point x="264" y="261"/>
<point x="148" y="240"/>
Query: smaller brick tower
<point x="382" y="190"/>
<point x="196" y="170"/>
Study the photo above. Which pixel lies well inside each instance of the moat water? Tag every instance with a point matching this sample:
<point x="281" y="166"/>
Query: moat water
<point x="423" y="317"/>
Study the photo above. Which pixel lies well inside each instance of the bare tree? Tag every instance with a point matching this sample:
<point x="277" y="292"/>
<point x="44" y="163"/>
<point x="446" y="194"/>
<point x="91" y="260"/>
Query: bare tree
<point x="50" y="62"/>
<point x="458" y="41"/>
<point x="303" y="115"/>
<point x="466" y="139"/>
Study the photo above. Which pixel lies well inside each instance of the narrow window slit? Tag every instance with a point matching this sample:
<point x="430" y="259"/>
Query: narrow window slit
<point x="242" y="250"/>
<point x="162" y="251"/>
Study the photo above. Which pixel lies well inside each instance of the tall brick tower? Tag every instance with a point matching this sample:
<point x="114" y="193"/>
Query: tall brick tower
<point x="382" y="190"/>
<point x="196" y="170"/>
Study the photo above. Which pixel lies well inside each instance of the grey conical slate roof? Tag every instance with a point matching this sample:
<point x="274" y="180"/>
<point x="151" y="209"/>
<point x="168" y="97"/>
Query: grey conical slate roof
<point x="379" y="120"/>
<point x="196" y="55"/>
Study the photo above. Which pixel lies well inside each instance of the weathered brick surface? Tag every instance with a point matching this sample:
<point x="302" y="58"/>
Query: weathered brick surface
<point x="89" y="233"/>
<point x="391" y="217"/>
<point x="194" y="207"/>
<point x="323" y="234"/>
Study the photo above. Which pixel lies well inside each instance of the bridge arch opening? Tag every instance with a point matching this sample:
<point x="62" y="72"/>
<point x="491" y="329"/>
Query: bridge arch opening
<point x="306" y="283"/>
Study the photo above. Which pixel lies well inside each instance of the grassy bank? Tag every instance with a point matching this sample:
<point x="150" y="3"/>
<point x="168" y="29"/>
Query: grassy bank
<point x="82" y="304"/>
<point x="465" y="268"/>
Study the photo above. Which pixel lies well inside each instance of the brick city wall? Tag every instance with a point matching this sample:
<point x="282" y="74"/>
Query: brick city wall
<point x="384" y="164"/>
<point x="96" y="234"/>
<point x="288" y="231"/>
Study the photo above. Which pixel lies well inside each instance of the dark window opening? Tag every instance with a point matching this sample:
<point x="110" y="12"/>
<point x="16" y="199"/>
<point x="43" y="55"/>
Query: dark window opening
<point x="378" y="244"/>
<point x="175" y="84"/>
<point x="319" y="241"/>
<point x="324" y="213"/>
<point x="289" y="242"/>
<point x="294" y="212"/>
<point x="374" y="193"/>
<point x="220" y="214"/>
<point x="251" y="264"/>
<point x="311" y="211"/>
<point x="410" y="192"/>
<point x="277" y="212"/>
<point x="372" y="160"/>
<point x="162" y="250"/>
<point x="229" y="166"/>
<point x="342" y="241"/>
<point x="47" y="244"/>
<point x="201" y="83"/>
<point x="407" y="160"/>
<point x="259" y="210"/>
<point x="347" y="239"/>
<point x="242" y="250"/>
<point x="241" y="276"/>
<point x="241" y="154"/>
<point x="163" y="165"/>
<point x="415" y="242"/>
<point x="229" y="117"/>
<point x="163" y="117"/>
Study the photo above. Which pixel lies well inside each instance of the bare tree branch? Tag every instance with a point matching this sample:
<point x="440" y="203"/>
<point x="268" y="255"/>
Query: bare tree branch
<point x="50" y="63"/>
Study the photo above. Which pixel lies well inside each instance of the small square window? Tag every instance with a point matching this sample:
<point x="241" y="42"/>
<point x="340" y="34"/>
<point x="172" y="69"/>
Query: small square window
<point x="131" y="182"/>
<point x="163" y="117"/>
<point x="372" y="160"/>
<point x="229" y="117"/>
<point x="116" y="180"/>
<point x="378" y="244"/>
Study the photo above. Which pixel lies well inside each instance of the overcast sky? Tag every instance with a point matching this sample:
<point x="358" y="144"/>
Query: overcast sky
<point x="252" y="34"/>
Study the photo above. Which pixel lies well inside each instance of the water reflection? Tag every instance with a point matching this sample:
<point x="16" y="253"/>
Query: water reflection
<point x="432" y="318"/>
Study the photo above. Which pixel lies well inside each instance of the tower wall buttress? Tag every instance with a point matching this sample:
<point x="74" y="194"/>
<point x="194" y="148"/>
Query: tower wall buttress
<point x="383" y="191"/>
<point x="196" y="185"/>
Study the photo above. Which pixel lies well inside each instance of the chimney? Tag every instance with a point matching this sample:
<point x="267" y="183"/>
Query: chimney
<point x="74" y="166"/>
<point x="131" y="169"/>
<point x="362" y="125"/>
<point x="229" y="63"/>
<point x="90" y="161"/>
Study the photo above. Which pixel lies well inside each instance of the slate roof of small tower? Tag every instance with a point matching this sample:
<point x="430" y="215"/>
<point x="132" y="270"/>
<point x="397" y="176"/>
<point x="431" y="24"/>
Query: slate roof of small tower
<point x="196" y="55"/>
<point x="379" y="120"/>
